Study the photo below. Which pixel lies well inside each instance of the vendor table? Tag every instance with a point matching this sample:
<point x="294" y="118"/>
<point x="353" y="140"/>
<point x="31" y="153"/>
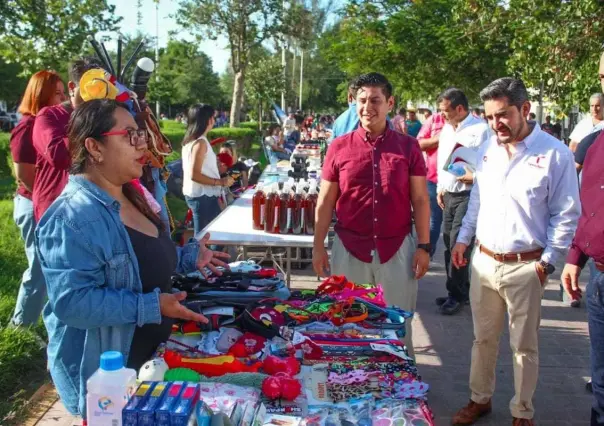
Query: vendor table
<point x="233" y="227"/>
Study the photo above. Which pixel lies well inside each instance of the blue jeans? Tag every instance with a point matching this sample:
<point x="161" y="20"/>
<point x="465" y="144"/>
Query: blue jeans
<point x="32" y="292"/>
<point x="204" y="209"/>
<point x="436" y="217"/>
<point x="595" y="311"/>
<point x="281" y="155"/>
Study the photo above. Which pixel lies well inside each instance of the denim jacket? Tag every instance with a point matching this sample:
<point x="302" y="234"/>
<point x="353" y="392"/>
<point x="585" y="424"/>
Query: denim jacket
<point x="95" y="298"/>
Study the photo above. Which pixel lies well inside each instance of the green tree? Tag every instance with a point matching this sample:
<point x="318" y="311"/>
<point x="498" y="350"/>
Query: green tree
<point x="245" y="23"/>
<point x="264" y="83"/>
<point x="185" y="77"/>
<point x="554" y="42"/>
<point x="47" y="33"/>
<point x="13" y="85"/>
<point x="421" y="45"/>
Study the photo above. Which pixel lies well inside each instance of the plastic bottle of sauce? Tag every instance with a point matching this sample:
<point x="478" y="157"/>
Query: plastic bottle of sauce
<point x="284" y="210"/>
<point x="270" y="207"/>
<point x="310" y="205"/>
<point x="258" y="201"/>
<point x="297" y="203"/>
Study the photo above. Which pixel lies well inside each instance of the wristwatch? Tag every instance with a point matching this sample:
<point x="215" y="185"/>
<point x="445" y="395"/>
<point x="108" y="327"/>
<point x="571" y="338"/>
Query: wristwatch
<point x="547" y="267"/>
<point x="425" y="247"/>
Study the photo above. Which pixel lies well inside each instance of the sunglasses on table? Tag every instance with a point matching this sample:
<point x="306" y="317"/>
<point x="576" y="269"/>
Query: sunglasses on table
<point x="137" y="136"/>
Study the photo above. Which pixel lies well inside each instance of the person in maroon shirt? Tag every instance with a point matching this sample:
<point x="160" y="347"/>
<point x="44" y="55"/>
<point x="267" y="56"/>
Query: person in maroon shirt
<point x="50" y="141"/>
<point x="373" y="176"/>
<point x="588" y="244"/>
<point x="44" y="88"/>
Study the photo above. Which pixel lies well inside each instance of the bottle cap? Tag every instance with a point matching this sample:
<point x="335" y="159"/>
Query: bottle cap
<point x="111" y="360"/>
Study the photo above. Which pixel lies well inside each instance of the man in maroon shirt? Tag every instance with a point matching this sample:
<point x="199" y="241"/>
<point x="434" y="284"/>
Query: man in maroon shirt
<point x="50" y="140"/>
<point x="589" y="244"/>
<point x="373" y="176"/>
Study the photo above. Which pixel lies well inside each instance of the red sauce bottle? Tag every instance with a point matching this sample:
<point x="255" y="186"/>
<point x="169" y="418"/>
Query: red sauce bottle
<point x="270" y="208"/>
<point x="258" y="201"/>
<point x="297" y="203"/>
<point x="284" y="210"/>
<point x="309" y="210"/>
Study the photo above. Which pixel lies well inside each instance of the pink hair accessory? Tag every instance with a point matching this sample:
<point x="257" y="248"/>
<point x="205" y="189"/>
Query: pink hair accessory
<point x="148" y="197"/>
<point x="356" y="376"/>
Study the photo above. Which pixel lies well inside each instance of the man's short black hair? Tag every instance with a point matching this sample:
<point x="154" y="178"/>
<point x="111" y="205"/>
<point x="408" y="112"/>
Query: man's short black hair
<point x="507" y="87"/>
<point x="455" y="96"/>
<point x="402" y="111"/>
<point x="476" y="111"/>
<point x="373" y="79"/>
<point x="79" y="67"/>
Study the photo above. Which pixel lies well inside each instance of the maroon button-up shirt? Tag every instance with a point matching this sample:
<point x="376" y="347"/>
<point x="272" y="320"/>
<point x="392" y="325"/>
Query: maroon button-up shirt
<point x="589" y="238"/>
<point x="374" y="204"/>
<point x="53" y="160"/>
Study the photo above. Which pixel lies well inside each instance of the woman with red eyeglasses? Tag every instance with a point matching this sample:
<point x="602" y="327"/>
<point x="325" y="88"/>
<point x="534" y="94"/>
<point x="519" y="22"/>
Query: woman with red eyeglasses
<point x="106" y="256"/>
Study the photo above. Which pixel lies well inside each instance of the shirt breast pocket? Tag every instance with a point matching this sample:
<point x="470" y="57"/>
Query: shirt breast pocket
<point x="530" y="187"/>
<point x="356" y="169"/>
<point x="119" y="271"/>
<point x="395" y="171"/>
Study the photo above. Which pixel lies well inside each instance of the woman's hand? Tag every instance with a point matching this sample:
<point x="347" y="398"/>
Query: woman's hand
<point x="209" y="258"/>
<point x="169" y="305"/>
<point x="227" y="181"/>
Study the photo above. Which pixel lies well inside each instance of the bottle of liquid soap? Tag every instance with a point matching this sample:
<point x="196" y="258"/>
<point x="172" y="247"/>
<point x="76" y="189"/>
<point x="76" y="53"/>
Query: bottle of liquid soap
<point x="109" y="389"/>
<point x="258" y="201"/>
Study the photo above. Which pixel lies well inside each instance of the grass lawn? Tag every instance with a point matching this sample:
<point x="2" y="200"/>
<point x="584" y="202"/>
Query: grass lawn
<point x="22" y="361"/>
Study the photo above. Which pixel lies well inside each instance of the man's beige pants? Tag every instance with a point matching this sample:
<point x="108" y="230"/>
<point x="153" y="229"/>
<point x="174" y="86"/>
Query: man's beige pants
<point x="396" y="276"/>
<point x="494" y="288"/>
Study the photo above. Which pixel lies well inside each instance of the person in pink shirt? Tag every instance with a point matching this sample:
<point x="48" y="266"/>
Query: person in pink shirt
<point x="428" y="142"/>
<point x="398" y="121"/>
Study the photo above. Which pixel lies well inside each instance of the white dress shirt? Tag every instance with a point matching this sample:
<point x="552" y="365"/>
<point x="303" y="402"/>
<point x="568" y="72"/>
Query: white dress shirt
<point x="583" y="129"/>
<point x="525" y="202"/>
<point x="471" y="133"/>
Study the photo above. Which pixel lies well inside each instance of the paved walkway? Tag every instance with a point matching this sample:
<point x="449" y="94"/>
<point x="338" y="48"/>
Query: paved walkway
<point x="443" y="344"/>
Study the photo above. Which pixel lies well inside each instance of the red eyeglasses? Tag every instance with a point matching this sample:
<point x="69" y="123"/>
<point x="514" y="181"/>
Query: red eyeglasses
<point x="137" y="136"/>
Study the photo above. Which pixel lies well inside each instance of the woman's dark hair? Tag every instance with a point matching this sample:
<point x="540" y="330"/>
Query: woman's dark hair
<point x="198" y="118"/>
<point x="90" y="120"/>
<point x="272" y="128"/>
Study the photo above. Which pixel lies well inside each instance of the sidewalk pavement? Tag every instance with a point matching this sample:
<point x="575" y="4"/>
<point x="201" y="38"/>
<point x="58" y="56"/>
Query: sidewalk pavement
<point x="443" y="344"/>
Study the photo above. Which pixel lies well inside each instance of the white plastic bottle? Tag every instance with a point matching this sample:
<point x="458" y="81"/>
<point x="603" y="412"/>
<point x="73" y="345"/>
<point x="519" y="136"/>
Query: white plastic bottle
<point x="108" y="390"/>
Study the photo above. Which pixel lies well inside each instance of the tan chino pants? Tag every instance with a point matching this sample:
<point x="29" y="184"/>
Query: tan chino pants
<point x="396" y="276"/>
<point x="495" y="288"/>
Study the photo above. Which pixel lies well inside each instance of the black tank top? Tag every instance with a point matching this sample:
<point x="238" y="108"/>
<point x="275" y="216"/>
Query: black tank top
<point x="157" y="261"/>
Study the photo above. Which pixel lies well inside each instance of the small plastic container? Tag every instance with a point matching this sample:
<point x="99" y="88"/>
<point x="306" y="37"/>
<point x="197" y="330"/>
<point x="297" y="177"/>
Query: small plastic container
<point x="458" y="169"/>
<point x="108" y="390"/>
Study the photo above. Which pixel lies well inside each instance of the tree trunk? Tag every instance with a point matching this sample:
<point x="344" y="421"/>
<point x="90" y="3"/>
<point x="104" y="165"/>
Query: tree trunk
<point x="260" y="117"/>
<point x="237" y="98"/>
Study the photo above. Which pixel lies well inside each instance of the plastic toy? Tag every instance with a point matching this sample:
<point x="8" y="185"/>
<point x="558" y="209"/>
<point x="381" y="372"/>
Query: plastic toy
<point x="153" y="370"/>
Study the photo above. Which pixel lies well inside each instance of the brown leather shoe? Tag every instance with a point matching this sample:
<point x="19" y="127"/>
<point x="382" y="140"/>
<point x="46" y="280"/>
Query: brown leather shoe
<point x="523" y="422"/>
<point x="469" y="414"/>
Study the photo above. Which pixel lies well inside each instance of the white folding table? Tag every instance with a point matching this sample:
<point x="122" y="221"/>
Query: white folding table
<point x="233" y="227"/>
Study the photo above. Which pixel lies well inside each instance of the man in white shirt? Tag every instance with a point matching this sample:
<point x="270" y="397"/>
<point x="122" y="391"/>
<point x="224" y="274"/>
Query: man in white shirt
<point x="463" y="129"/>
<point x="289" y="125"/>
<point x="588" y="124"/>
<point x="523" y="211"/>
